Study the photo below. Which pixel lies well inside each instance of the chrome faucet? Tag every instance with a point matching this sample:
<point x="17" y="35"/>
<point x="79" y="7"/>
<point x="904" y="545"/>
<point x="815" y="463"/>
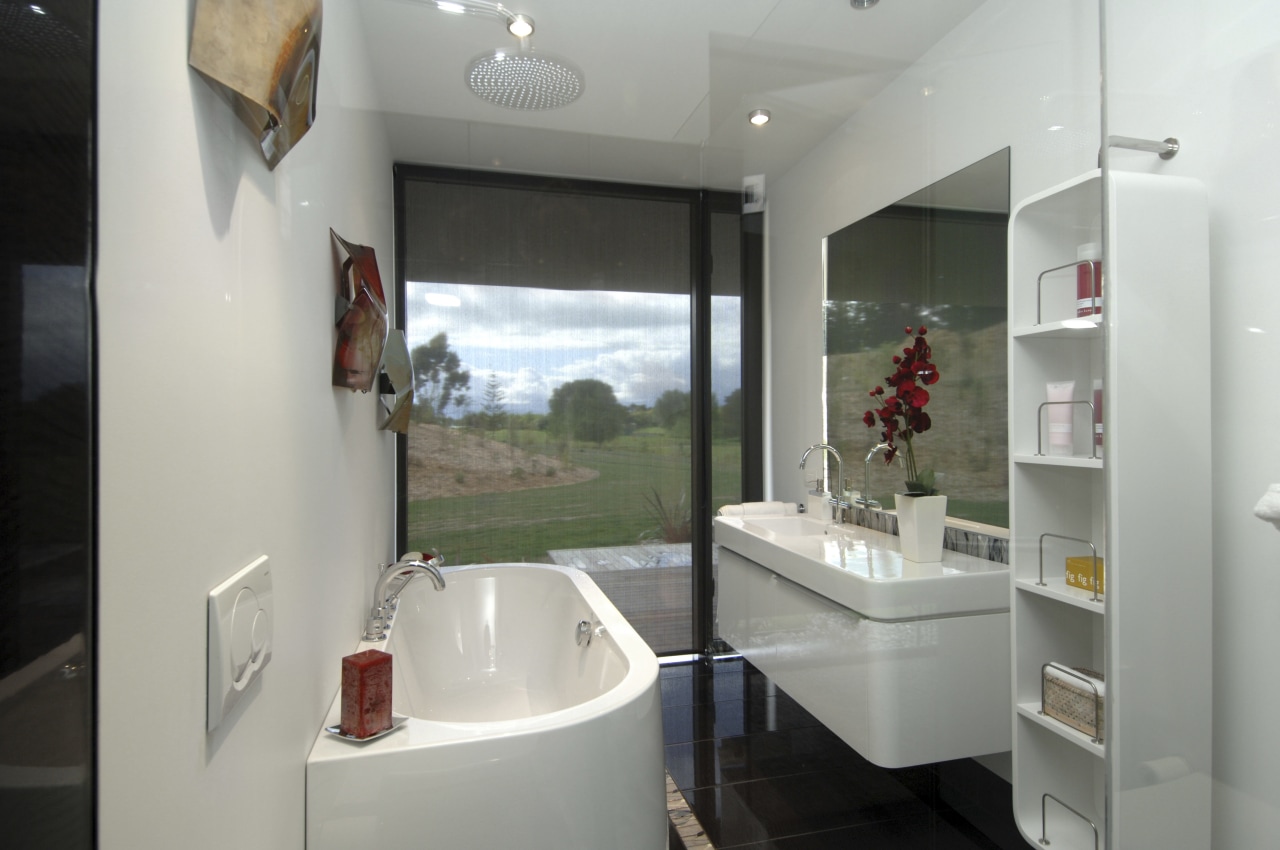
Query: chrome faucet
<point x="385" y="597"/>
<point x="837" y="504"/>
<point x="865" y="499"/>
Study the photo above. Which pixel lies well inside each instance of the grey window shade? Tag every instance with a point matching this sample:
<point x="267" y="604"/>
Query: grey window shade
<point x="498" y="236"/>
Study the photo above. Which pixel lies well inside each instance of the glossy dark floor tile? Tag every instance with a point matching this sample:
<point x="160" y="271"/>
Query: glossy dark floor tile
<point x="926" y="833"/>
<point x="764" y="755"/>
<point x="701" y="683"/>
<point x="759" y="771"/>
<point x="725" y="718"/>
<point x="746" y="812"/>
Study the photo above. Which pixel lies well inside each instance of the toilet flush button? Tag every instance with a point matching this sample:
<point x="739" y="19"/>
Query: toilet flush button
<point x="239" y="624"/>
<point x="260" y="633"/>
<point x="243" y="615"/>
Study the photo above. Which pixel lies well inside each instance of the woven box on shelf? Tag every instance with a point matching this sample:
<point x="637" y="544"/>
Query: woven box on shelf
<point x="1071" y="700"/>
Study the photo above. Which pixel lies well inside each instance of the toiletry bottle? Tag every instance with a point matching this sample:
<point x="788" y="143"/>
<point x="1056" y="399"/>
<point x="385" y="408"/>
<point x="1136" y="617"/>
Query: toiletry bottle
<point x="1088" y="279"/>
<point x="1097" y="412"/>
<point x="1061" y="439"/>
<point x="818" y="504"/>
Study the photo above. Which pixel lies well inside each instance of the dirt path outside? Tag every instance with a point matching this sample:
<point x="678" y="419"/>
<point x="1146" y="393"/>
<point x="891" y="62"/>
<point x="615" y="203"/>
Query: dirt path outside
<point x="447" y="462"/>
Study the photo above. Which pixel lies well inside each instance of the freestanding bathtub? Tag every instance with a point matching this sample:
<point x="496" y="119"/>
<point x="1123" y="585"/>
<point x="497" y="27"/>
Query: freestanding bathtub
<point x="518" y="734"/>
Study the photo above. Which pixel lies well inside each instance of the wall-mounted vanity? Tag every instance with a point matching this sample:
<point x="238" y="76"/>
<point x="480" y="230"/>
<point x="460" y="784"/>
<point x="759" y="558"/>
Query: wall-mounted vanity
<point x="907" y="662"/>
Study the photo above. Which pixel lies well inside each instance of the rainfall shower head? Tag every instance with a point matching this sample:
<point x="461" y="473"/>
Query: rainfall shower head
<point x="524" y="80"/>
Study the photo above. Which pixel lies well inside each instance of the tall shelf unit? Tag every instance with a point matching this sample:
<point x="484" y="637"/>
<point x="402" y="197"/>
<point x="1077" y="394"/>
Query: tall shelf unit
<point x="1140" y="502"/>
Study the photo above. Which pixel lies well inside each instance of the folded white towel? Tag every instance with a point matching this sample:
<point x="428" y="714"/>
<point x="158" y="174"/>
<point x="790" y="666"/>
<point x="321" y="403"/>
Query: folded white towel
<point x="759" y="509"/>
<point x="1268" y="507"/>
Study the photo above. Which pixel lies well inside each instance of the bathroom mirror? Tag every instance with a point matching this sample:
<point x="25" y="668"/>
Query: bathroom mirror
<point x="936" y="258"/>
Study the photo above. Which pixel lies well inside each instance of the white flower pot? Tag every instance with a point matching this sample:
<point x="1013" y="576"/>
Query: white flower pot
<point x="921" y="523"/>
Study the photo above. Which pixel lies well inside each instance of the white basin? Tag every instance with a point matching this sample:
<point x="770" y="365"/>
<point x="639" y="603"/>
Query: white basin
<point x="864" y="570"/>
<point x="789" y="526"/>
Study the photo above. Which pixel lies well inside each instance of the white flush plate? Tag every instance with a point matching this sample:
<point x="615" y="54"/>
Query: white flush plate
<point x="240" y="615"/>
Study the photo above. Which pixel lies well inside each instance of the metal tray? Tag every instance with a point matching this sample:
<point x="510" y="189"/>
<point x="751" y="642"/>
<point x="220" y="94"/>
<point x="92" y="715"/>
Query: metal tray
<point x="397" y="720"/>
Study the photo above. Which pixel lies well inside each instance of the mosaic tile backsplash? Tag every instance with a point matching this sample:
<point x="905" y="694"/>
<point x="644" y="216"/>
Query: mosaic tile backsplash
<point x="973" y="543"/>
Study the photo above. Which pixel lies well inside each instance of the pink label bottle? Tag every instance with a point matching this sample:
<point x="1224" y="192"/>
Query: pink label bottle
<point x="1088" y="279"/>
<point x="1097" y="413"/>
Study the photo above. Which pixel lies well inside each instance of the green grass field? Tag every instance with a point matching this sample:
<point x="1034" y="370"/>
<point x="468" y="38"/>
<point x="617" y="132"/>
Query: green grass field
<point x="610" y="510"/>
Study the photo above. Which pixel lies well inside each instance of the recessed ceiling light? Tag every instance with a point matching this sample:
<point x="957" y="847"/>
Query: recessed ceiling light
<point x="521" y="26"/>
<point x="451" y="8"/>
<point x="759" y="117"/>
<point x="863" y="4"/>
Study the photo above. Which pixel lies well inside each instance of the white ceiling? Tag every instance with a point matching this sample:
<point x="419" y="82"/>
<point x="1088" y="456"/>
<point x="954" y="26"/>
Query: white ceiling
<point x="669" y="83"/>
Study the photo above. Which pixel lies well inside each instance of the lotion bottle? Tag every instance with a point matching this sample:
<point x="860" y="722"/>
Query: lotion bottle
<point x="1061" y="440"/>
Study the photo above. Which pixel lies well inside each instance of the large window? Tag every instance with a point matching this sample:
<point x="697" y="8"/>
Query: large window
<point x="563" y="413"/>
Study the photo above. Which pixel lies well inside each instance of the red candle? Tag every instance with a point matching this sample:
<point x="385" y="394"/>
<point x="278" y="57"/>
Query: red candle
<point x="366" y="693"/>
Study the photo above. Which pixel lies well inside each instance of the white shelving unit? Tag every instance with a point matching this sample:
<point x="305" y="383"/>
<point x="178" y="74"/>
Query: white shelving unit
<point x="1142" y="503"/>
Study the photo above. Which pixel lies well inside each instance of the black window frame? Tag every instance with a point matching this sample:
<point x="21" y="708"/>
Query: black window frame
<point x="702" y="203"/>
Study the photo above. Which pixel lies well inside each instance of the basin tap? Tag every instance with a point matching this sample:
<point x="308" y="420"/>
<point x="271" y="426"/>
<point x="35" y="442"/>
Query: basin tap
<point x="865" y="499"/>
<point x="837" y="504"/>
<point x="384" y="597"/>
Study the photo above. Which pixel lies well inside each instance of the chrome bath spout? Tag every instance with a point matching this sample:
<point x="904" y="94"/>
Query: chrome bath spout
<point x="384" y="597"/>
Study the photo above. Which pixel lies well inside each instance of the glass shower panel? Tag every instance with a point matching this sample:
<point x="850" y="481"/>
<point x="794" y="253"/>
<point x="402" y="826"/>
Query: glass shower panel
<point x="47" y="440"/>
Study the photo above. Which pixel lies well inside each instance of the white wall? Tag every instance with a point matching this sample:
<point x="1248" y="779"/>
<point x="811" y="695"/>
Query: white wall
<point x="1208" y="74"/>
<point x="220" y="436"/>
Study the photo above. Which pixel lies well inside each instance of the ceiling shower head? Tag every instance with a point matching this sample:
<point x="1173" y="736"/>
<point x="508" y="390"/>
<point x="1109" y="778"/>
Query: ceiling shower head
<point x="524" y="80"/>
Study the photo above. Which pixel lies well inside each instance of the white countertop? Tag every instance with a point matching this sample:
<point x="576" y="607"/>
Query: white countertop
<point x="864" y="570"/>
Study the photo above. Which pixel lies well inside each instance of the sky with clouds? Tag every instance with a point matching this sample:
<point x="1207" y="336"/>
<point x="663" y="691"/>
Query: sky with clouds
<point x="534" y="340"/>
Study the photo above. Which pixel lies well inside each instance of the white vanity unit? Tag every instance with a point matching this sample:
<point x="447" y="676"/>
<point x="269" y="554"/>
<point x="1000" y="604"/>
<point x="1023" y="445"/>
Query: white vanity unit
<point x="907" y="662"/>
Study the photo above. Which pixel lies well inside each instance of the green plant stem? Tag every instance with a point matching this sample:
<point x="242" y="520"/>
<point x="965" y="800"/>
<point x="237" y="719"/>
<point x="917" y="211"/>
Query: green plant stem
<point x="909" y="458"/>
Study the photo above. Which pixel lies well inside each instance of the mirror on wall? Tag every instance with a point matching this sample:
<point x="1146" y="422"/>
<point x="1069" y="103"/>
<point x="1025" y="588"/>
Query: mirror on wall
<point x="936" y="258"/>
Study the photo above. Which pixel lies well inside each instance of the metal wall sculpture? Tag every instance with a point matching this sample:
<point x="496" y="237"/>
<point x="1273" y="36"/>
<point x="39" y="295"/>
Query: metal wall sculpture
<point x="263" y="58"/>
<point x="361" y="318"/>
<point x="395" y="385"/>
<point x="367" y="351"/>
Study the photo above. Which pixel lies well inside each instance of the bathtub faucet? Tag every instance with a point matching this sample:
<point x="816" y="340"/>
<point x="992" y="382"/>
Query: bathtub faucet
<point x="384" y="596"/>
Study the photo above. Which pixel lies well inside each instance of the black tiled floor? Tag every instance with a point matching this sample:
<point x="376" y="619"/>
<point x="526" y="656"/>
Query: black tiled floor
<point x="761" y="772"/>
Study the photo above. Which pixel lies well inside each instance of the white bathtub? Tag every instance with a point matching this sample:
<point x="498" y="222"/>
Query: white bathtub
<point x="516" y="736"/>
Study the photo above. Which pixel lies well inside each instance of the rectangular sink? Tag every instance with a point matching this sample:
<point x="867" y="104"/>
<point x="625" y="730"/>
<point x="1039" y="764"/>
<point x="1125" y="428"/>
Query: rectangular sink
<point x="864" y="571"/>
<point x="789" y="526"/>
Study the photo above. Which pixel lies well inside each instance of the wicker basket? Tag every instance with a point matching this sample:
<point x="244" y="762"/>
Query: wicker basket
<point x="1074" y="697"/>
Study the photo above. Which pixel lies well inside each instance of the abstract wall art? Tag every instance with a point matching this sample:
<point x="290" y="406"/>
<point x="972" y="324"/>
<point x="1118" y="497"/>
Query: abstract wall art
<point x="361" y="318"/>
<point x="263" y="58"/>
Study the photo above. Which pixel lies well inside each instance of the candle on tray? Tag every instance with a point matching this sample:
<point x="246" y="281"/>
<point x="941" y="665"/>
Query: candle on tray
<point x="366" y="693"/>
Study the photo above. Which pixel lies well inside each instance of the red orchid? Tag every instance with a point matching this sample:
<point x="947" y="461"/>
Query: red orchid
<point x="901" y="414"/>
